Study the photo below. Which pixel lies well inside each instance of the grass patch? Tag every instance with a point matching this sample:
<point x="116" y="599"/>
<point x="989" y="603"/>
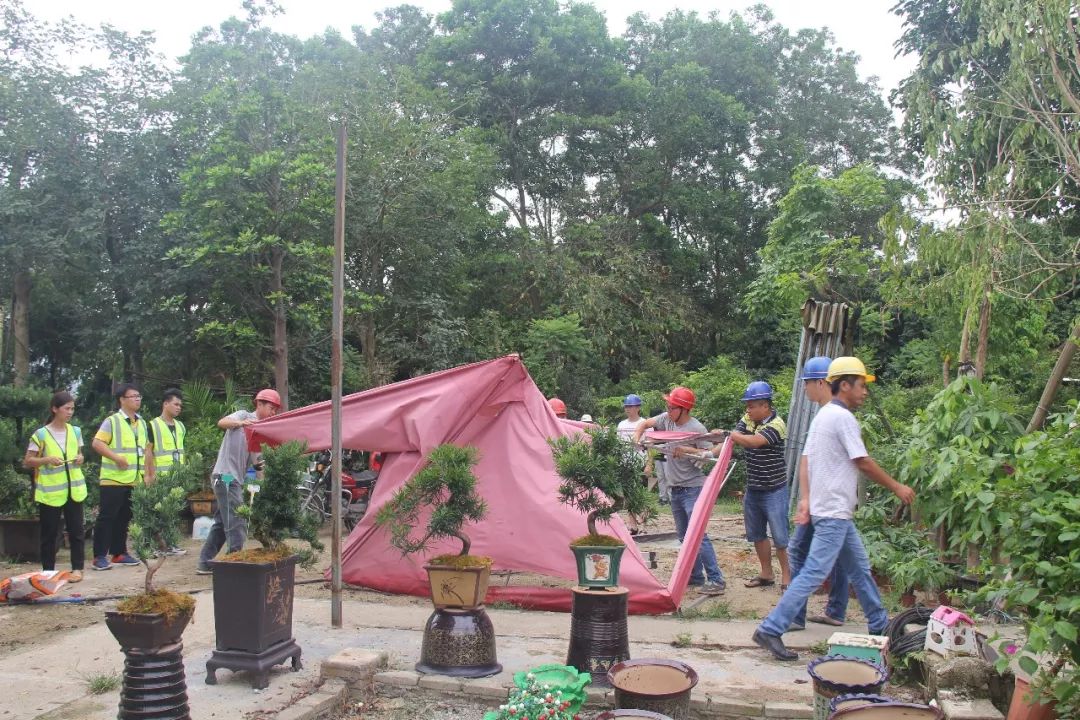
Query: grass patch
<point x="102" y="683"/>
<point x="711" y="611"/>
<point x="729" y="506"/>
<point x="597" y="540"/>
<point x="683" y="640"/>
<point x="820" y="648"/>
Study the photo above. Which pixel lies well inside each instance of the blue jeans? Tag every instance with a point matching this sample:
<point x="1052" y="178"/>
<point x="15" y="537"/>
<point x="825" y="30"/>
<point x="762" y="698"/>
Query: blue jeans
<point x="835" y="541"/>
<point x="766" y="509"/>
<point x="705" y="565"/>
<point x="838" y="582"/>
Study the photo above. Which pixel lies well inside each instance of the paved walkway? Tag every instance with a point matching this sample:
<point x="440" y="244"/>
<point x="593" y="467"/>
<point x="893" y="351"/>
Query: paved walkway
<point x="49" y="681"/>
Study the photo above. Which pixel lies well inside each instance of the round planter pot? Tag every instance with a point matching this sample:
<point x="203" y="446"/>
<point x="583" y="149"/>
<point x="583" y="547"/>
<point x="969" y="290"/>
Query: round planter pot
<point x="1022" y="708"/>
<point x="836" y="675"/>
<point x="453" y="587"/>
<point x="889" y="711"/>
<point x="844" y="702"/>
<point x="653" y="684"/>
<point x="598" y="566"/>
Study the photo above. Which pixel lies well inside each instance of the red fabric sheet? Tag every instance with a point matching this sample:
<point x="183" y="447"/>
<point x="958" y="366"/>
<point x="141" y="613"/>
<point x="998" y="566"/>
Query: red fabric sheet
<point x="495" y="406"/>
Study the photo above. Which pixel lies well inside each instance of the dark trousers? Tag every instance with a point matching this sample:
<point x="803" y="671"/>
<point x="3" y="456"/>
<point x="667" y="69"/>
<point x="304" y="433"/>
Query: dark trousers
<point x="72" y="513"/>
<point x="114" y="516"/>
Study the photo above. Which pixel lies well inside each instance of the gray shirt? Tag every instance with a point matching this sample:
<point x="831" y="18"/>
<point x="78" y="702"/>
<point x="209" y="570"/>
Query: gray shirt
<point x="683" y="472"/>
<point x="233" y="457"/>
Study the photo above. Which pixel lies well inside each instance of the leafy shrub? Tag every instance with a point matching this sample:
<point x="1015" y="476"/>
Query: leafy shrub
<point x="957" y="455"/>
<point x="274" y="515"/>
<point x="15" y="498"/>
<point x="601" y="476"/>
<point x="719" y="385"/>
<point x="1041" y="539"/>
<point x="447" y="486"/>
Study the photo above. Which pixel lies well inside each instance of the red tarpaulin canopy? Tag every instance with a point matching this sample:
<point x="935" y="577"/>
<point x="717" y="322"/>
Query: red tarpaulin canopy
<point x="495" y="406"/>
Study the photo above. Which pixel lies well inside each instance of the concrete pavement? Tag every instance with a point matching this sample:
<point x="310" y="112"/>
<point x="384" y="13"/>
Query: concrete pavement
<point x="48" y="681"/>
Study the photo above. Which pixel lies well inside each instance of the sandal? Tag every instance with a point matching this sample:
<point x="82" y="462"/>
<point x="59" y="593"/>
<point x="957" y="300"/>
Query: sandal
<point x="825" y="620"/>
<point x="759" y="582"/>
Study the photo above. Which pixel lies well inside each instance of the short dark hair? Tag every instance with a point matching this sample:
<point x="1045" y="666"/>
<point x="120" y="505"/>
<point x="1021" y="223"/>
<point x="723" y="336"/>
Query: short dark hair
<point x="850" y="379"/>
<point x="170" y="394"/>
<point x="122" y="389"/>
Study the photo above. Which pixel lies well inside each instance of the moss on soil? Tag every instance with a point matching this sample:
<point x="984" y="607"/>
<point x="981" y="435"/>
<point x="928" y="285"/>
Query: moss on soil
<point x="461" y="561"/>
<point x="164" y="602"/>
<point x="597" y="540"/>
<point x="259" y="555"/>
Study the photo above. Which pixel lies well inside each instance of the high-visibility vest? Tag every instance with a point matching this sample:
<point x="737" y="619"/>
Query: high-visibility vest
<point x="54" y="484"/>
<point x="129" y="442"/>
<point x="168" y="451"/>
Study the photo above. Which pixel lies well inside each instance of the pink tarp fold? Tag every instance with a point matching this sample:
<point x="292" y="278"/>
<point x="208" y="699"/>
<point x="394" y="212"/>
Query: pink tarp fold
<point x="495" y="406"/>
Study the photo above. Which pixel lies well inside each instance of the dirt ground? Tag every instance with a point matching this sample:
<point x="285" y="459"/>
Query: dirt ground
<point x="22" y="623"/>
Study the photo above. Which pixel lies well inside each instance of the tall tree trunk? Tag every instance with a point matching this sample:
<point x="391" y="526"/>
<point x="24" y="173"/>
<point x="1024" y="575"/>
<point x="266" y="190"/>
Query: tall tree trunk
<point x="1053" y="383"/>
<point x="965" y="340"/>
<point x="281" y="330"/>
<point x="984" y="335"/>
<point x="20" y="327"/>
<point x="5" y="343"/>
<point x="367" y="343"/>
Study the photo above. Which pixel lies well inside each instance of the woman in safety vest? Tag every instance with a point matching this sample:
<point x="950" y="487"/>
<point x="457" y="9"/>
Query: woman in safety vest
<point x="55" y="455"/>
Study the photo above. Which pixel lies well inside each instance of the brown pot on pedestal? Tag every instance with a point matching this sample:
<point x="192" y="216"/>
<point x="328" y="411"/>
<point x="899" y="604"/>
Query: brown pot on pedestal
<point x="1022" y="707"/>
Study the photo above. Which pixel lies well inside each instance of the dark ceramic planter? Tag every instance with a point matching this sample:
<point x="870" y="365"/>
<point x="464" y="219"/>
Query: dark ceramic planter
<point x="655" y="684"/>
<point x="253" y="604"/>
<point x="144" y="631"/>
<point x="20" y="539"/>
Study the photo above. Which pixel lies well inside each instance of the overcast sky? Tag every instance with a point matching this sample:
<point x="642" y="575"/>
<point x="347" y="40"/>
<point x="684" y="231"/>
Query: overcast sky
<point x="865" y="27"/>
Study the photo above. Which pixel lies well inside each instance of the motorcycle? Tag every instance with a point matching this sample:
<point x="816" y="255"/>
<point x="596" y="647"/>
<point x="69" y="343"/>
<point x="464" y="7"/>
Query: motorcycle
<point x="357" y="482"/>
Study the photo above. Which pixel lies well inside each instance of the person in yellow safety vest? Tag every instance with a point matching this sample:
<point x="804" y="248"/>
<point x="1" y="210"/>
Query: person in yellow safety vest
<point x="55" y="456"/>
<point x="165" y="442"/>
<point x="121" y="442"/>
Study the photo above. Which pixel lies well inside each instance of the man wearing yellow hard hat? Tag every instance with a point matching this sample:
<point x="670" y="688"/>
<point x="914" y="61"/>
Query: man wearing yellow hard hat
<point x="835" y="455"/>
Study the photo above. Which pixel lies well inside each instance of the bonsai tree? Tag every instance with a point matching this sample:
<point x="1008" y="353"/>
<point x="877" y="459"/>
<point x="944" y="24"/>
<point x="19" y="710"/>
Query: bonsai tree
<point x="601" y="476"/>
<point x="274" y="513"/>
<point x="448" y="486"/>
<point x="155" y="524"/>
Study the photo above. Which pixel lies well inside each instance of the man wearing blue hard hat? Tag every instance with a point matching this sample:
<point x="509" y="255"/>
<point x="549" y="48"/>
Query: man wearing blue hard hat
<point x="632" y="408"/>
<point x="761" y="434"/>
<point x="817" y="390"/>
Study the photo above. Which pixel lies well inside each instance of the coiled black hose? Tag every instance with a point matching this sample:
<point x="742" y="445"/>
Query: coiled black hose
<point x="903" y="643"/>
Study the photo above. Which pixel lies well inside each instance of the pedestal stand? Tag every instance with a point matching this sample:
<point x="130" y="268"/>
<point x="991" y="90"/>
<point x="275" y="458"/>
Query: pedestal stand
<point x="459" y="643"/>
<point x="154" y="685"/>
<point x="598" y="637"/>
<point x="258" y="664"/>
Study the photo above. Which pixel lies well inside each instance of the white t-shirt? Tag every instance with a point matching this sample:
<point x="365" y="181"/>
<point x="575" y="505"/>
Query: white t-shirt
<point x="626" y="429"/>
<point x="833" y="443"/>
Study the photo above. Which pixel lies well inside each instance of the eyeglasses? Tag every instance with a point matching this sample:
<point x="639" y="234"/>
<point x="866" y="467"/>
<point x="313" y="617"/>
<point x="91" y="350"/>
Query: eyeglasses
<point x="133" y="397"/>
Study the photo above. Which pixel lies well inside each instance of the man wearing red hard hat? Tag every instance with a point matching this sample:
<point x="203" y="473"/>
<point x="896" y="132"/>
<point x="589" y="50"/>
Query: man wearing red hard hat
<point x="685" y="480"/>
<point x="233" y="461"/>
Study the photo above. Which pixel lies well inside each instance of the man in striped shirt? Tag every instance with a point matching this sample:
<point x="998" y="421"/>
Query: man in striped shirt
<point x="761" y="433"/>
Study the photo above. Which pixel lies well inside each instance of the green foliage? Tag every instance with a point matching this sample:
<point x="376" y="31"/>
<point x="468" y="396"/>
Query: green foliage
<point x="718" y="385"/>
<point x="101" y="683"/>
<point x="446" y="486"/>
<point x="1041" y="539"/>
<point x="957" y="456"/>
<point x="561" y="359"/>
<point x="601" y="475"/>
<point x="16" y="499"/>
<point x="274" y="514"/>
<point x="155" y="522"/>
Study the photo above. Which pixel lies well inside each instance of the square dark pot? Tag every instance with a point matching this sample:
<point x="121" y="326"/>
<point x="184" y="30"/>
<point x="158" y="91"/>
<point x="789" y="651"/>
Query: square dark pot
<point x="145" y="631"/>
<point x="253" y="604"/>
<point x="20" y="539"/>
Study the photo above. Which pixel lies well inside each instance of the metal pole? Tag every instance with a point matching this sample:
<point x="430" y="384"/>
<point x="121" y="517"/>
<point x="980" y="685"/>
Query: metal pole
<point x="335" y="379"/>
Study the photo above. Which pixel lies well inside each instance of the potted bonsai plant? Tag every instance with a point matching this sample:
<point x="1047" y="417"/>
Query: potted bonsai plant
<point x="447" y="487"/>
<point x="253" y="589"/>
<point x="601" y="475"/>
<point x="148" y="626"/>
<point x="459" y="639"/>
